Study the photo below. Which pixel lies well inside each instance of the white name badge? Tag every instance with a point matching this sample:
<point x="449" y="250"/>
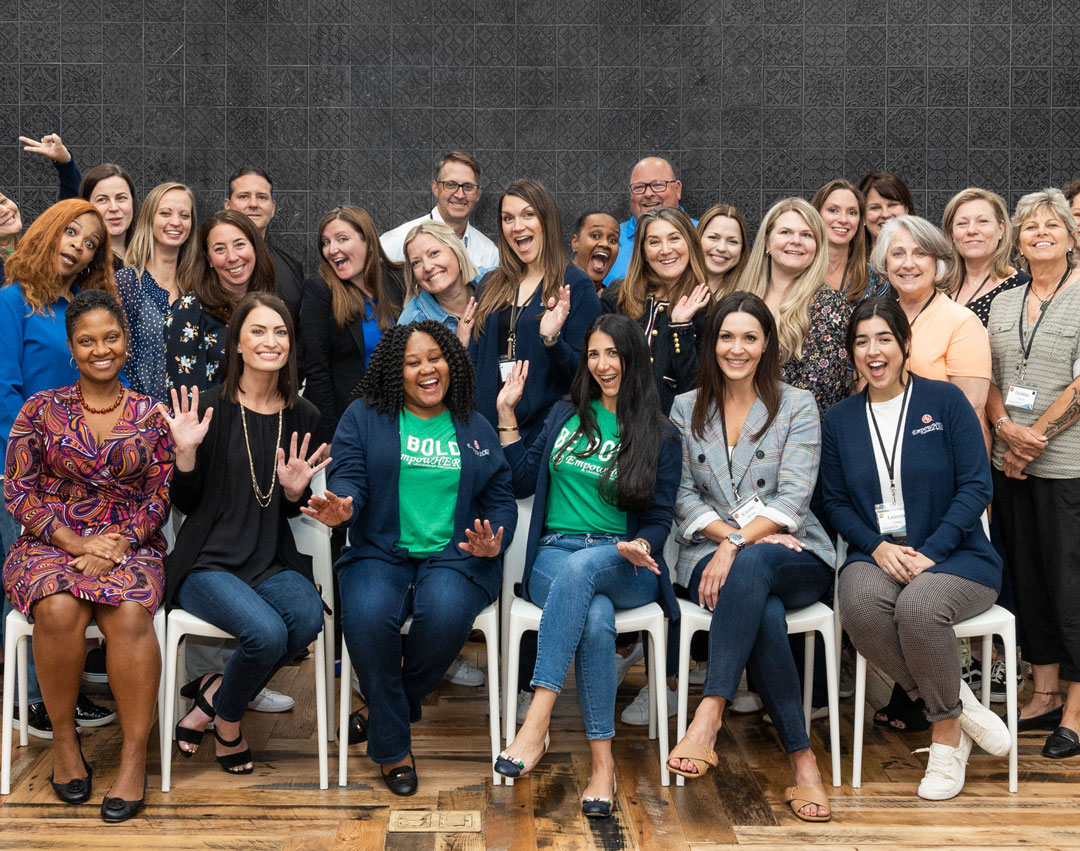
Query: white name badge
<point x="747" y="510"/>
<point x="505" y="368"/>
<point x="890" y="517"/>
<point x="1021" y="398"/>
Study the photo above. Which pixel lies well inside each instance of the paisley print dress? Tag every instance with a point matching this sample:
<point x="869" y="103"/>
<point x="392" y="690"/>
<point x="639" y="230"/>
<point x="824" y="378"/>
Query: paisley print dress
<point x="57" y="475"/>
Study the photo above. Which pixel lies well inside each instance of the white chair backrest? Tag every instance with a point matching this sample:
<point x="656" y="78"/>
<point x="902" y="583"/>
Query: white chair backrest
<point x="514" y="558"/>
<point x="313" y="539"/>
<point x="671" y="550"/>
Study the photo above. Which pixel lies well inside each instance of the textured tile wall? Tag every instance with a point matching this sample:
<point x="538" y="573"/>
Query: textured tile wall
<point x="353" y="100"/>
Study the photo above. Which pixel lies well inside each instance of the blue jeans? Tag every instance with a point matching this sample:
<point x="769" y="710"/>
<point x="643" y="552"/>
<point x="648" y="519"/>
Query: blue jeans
<point x="580" y="580"/>
<point x="9" y="531"/>
<point x="376" y="598"/>
<point x="272" y="622"/>
<point x="749" y="630"/>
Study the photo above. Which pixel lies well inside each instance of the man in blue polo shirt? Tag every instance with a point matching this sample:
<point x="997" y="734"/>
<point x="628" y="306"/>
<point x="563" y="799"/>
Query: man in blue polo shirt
<point x="652" y="184"/>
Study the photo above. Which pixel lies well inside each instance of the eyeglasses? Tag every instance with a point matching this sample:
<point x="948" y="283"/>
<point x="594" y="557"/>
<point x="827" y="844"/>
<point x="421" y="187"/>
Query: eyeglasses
<point x="656" y="186"/>
<point x="452" y="186"/>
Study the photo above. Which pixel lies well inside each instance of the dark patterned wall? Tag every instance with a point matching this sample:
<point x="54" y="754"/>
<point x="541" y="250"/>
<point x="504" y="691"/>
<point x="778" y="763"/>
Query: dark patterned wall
<point x="353" y="100"/>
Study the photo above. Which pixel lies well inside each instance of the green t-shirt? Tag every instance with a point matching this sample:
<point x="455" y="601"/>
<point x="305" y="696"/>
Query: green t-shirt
<point x="574" y="504"/>
<point x="427" y="482"/>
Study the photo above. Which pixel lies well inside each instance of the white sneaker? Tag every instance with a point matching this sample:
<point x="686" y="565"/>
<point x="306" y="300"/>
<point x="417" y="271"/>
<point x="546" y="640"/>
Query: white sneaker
<point x="461" y="673"/>
<point x="637" y="713"/>
<point x="523" y="704"/>
<point x="269" y="700"/>
<point x="698" y="673"/>
<point x="816" y="713"/>
<point x="983" y="725"/>
<point x="746" y="702"/>
<point x="624" y="663"/>
<point x="945" y="770"/>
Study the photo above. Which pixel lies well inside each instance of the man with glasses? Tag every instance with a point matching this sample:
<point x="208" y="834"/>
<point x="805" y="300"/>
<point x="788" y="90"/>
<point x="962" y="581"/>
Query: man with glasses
<point x="456" y="188"/>
<point x="652" y="184"/>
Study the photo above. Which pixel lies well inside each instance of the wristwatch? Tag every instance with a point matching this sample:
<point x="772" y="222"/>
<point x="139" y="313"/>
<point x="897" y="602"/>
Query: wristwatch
<point x="738" y="540"/>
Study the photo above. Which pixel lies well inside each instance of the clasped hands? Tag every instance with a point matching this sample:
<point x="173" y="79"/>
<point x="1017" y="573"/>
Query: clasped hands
<point x="901" y="562"/>
<point x="96" y="555"/>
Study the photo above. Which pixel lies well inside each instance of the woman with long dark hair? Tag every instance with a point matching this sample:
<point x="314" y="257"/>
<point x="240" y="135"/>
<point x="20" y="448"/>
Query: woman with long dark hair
<point x="750" y="547"/>
<point x="604" y="471"/>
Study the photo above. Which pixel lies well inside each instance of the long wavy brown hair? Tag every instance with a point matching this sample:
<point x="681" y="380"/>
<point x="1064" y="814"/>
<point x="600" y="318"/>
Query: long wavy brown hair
<point x="856" y="270"/>
<point x="641" y="281"/>
<point x="203" y="280"/>
<point x="33" y="264"/>
<point x="347" y="297"/>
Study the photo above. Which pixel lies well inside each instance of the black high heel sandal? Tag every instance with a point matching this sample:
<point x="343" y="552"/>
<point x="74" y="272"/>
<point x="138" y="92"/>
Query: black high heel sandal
<point x="78" y="790"/>
<point x="195" y="691"/>
<point x="232" y="761"/>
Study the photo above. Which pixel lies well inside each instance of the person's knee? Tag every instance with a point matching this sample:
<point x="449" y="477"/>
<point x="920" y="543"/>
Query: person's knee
<point x="268" y="639"/>
<point x="129" y="623"/>
<point x="309" y="618"/>
<point x="599" y="621"/>
<point x="918" y="607"/>
<point x="60" y="613"/>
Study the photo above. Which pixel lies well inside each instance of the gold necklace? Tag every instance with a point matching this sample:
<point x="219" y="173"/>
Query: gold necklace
<point x="262" y="498"/>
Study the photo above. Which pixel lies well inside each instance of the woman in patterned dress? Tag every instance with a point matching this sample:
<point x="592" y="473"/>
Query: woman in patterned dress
<point x="88" y="467"/>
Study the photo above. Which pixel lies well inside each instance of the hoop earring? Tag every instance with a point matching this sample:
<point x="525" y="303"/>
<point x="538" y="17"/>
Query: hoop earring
<point x="71" y="360"/>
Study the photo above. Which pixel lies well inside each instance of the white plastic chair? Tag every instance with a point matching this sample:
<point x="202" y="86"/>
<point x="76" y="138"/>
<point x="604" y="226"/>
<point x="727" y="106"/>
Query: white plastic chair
<point x="520" y="617"/>
<point x="313" y="539"/>
<point x="16" y="631"/>
<point x="488" y="623"/>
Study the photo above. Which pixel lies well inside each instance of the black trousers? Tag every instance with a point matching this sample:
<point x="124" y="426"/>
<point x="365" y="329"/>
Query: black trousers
<point x="1040" y="527"/>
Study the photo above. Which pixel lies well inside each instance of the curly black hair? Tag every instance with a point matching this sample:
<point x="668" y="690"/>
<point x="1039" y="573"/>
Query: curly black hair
<point x="87" y="302"/>
<point x="382" y="385"/>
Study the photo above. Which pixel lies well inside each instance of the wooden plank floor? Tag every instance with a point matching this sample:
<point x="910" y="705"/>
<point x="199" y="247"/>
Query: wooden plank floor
<point x="281" y="807"/>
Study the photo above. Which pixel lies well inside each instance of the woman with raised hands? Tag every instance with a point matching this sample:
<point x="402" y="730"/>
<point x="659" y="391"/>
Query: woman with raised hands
<point x="604" y="471"/>
<point x="242" y="470"/>
<point x="666" y="294"/>
<point x="725" y="246"/>
<point x="425" y="490"/>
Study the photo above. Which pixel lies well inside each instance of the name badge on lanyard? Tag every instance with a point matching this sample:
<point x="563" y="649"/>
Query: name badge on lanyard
<point x="505" y="368"/>
<point x="890" y="518"/>
<point x="890" y="513"/>
<point x="1021" y="398"/>
<point x="747" y="510"/>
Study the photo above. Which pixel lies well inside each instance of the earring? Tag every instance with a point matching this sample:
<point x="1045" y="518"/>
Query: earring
<point x="71" y="360"/>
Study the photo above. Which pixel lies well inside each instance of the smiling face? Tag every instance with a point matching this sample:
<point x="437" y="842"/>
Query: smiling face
<point x="264" y="340"/>
<point x="739" y="346"/>
<point x="666" y="251"/>
<point x="605" y="366"/>
<point x="78" y="244"/>
<point x="433" y="264"/>
<point x="723" y="244"/>
<point x="647" y="172"/>
<point x="112" y="197"/>
<point x="251" y="195"/>
<point x="840" y="212"/>
<point x="596" y="245"/>
<point x="880" y="209"/>
<point x="454" y="202"/>
<point x="345" y="249"/>
<point x="976" y="232"/>
<point x="426" y="376"/>
<point x="10" y="218"/>
<point x="98" y="346"/>
<point x="172" y="221"/>
<point x="522" y="228"/>
<point x="879" y="359"/>
<point x="910" y="268"/>
<point x="1043" y="237"/>
<point x="791" y="243"/>
<point x="232" y="257"/>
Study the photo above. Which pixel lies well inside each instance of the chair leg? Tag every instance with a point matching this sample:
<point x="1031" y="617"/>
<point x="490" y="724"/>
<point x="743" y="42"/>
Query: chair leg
<point x="23" y="665"/>
<point x="1008" y="637"/>
<point x="345" y="702"/>
<point x="987" y="667"/>
<point x="328" y="629"/>
<point x="491" y="643"/>
<point x="654" y="690"/>
<point x="9" y="717"/>
<point x="164" y="736"/>
<point x="832" y="673"/>
<point x="685" y="634"/>
<point x="659" y="688"/>
<point x="808" y="678"/>
<point x="513" y="662"/>
<point x="860" y="717"/>
<point x="173" y="648"/>
<point x="320" y="708"/>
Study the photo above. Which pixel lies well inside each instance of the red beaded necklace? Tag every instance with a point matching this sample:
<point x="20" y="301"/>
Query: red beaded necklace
<point x="89" y="410"/>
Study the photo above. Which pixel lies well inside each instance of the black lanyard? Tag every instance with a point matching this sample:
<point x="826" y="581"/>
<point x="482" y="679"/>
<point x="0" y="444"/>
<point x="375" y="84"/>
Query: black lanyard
<point x="727" y="458"/>
<point x="890" y="459"/>
<point x="933" y="295"/>
<point x="515" y="317"/>
<point x="975" y="294"/>
<point x="1025" y="350"/>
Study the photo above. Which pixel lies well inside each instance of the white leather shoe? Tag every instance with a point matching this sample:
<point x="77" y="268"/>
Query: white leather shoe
<point x="269" y="700"/>
<point x="461" y="673"/>
<point x="637" y="713"/>
<point x="624" y="663"/>
<point x="945" y="769"/>
<point x="982" y="724"/>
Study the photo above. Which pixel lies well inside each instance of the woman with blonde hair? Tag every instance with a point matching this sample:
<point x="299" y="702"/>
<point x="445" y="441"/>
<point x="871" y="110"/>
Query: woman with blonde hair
<point x="439" y="278"/>
<point x="10" y="228"/>
<point x="787" y="268"/>
<point x="843" y="210"/>
<point x="356" y="297"/>
<point x="161" y="253"/>
<point x="977" y="222"/>
<point x="722" y="231"/>
<point x="665" y="292"/>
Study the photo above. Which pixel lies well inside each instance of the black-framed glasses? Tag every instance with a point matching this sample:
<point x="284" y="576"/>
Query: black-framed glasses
<point x="453" y="186"/>
<point x="656" y="186"/>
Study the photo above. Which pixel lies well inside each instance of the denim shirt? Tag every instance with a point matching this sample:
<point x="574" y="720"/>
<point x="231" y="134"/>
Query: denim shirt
<point x="424" y="306"/>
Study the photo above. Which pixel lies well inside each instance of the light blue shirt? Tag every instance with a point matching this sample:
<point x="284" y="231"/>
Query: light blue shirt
<point x="424" y="306"/>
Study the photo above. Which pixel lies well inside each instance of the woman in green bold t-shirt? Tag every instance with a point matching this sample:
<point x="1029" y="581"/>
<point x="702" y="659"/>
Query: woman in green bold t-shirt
<point x="604" y="470"/>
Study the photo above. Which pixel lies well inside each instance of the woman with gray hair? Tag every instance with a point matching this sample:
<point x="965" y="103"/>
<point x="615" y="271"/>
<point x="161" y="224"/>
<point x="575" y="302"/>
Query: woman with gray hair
<point x="438" y="279"/>
<point x="1033" y="403"/>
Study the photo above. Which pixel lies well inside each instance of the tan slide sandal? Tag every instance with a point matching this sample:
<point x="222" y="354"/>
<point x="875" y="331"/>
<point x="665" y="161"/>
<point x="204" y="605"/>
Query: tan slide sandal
<point x="799" y="796"/>
<point x="701" y="757"/>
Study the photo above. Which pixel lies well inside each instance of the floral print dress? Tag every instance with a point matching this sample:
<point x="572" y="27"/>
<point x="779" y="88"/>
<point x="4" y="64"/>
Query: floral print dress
<point x="194" y="345"/>
<point x="824" y="369"/>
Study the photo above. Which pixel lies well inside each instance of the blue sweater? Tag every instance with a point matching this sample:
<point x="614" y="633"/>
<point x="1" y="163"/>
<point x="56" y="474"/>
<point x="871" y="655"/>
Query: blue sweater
<point x="367" y="453"/>
<point x="550" y="367"/>
<point x="532" y="475"/>
<point x="944" y="474"/>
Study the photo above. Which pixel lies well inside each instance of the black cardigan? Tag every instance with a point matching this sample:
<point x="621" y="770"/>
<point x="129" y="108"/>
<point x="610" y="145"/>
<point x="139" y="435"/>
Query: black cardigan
<point x="199" y="492"/>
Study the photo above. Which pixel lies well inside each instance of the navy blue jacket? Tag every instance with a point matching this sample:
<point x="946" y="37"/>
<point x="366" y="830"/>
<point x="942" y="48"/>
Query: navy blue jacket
<point x="550" y="367"/>
<point x="945" y="477"/>
<point x="532" y="475"/>
<point x="367" y="453"/>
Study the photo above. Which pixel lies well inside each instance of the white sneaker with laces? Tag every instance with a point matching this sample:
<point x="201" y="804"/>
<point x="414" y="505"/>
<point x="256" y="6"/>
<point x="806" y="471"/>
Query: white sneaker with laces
<point x="624" y="663"/>
<point x="746" y="702"/>
<point x="945" y="769"/>
<point x="983" y="725"/>
<point x="637" y="713"/>
<point x="269" y="700"/>
<point x="461" y="673"/>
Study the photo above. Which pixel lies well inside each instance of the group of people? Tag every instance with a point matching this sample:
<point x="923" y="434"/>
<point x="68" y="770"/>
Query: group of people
<point x="855" y="371"/>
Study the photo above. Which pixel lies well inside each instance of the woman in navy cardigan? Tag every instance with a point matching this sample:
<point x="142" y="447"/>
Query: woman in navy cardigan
<point x="906" y="481"/>
<point x="422" y="482"/>
<point x="604" y="470"/>
<point x="511" y="321"/>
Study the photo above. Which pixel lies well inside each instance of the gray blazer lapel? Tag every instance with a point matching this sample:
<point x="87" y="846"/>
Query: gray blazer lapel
<point x="745" y="448"/>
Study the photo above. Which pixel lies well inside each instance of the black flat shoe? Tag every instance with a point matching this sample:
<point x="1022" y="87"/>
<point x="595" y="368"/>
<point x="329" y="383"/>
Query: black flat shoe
<point x="117" y="809"/>
<point x="75" y="791"/>
<point x="599" y="807"/>
<point x="1047" y="721"/>
<point x="1062" y="743"/>
<point x="402" y="780"/>
<point x="357" y="727"/>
